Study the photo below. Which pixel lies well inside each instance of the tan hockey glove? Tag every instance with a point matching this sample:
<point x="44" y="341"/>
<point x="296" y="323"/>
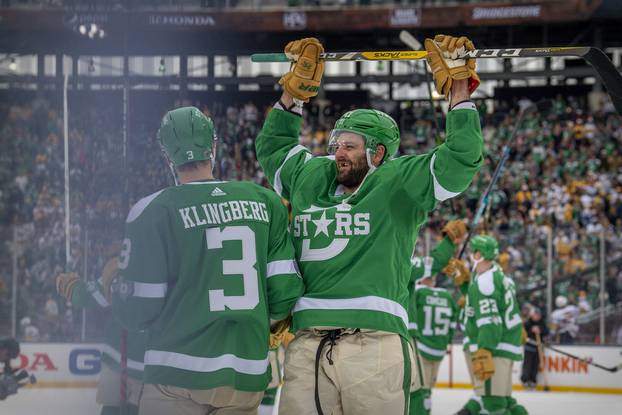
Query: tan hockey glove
<point x="483" y="366"/>
<point x="461" y="301"/>
<point x="279" y="331"/>
<point x="457" y="270"/>
<point x="65" y="283"/>
<point x="454" y="230"/>
<point x="442" y="53"/>
<point x="110" y="272"/>
<point x="305" y="74"/>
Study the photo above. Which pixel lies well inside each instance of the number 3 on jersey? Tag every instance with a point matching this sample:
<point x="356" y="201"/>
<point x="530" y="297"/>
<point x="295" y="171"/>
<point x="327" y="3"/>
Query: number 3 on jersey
<point x="245" y="267"/>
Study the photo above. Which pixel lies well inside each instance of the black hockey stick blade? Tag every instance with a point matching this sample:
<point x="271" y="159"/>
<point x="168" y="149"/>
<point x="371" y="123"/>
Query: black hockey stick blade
<point x="589" y="362"/>
<point x="608" y="74"/>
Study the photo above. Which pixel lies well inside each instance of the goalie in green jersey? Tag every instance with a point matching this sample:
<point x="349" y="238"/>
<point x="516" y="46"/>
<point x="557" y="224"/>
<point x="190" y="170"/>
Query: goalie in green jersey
<point x="204" y="267"/>
<point x="493" y="329"/>
<point x="432" y="314"/>
<point x="355" y="218"/>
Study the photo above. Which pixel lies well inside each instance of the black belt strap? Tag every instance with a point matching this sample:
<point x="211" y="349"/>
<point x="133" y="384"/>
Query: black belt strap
<point x="330" y="336"/>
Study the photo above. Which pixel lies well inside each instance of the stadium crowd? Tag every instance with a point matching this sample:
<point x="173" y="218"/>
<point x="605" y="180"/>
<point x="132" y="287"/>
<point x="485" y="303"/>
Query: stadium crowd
<point x="564" y="176"/>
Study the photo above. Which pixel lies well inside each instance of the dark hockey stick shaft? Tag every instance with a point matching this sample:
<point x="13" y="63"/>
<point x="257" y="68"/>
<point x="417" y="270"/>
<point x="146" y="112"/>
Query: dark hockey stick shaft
<point x="541" y="358"/>
<point x="483" y="204"/>
<point x="605" y="69"/>
<point x="589" y="362"/>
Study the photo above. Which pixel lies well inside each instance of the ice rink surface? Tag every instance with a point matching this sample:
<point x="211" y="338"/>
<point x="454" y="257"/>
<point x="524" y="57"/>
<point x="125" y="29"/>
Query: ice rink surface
<point x="444" y="402"/>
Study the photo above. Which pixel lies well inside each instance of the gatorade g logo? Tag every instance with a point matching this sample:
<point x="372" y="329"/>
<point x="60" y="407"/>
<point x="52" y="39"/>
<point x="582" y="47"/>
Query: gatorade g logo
<point x="309" y="88"/>
<point x="326" y="232"/>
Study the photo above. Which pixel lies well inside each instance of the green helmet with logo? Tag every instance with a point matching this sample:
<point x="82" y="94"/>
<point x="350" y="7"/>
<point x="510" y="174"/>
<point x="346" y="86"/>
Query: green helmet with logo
<point x="375" y="126"/>
<point x="186" y="135"/>
<point x="486" y="245"/>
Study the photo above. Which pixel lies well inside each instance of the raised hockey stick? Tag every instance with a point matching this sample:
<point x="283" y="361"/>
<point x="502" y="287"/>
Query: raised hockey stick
<point x="589" y="362"/>
<point x="483" y="204"/>
<point x="603" y="66"/>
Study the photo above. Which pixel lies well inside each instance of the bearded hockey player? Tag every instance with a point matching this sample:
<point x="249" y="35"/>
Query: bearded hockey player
<point x="97" y="295"/>
<point x="355" y="220"/>
<point x="493" y="330"/>
<point x="432" y="315"/>
<point x="203" y="268"/>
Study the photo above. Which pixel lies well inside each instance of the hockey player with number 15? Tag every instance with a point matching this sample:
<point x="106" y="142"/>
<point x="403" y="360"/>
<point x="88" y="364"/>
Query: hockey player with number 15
<point x="432" y="315"/>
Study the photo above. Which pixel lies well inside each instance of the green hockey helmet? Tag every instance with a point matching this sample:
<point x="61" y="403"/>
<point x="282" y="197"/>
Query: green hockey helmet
<point x="186" y="135"/>
<point x="374" y="126"/>
<point x="486" y="245"/>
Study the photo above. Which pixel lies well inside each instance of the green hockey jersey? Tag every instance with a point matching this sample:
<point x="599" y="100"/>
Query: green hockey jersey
<point x="354" y="250"/>
<point x="90" y="295"/>
<point x="436" y="320"/>
<point x="492" y="315"/>
<point x="432" y="312"/>
<point x="204" y="267"/>
<point x="440" y="255"/>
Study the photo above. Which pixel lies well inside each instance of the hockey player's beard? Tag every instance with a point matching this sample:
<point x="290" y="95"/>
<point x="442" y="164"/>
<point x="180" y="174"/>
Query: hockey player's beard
<point x="354" y="175"/>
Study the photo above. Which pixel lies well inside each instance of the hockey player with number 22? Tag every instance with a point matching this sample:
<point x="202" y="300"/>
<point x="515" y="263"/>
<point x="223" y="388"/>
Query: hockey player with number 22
<point x="204" y="267"/>
<point x="355" y="220"/>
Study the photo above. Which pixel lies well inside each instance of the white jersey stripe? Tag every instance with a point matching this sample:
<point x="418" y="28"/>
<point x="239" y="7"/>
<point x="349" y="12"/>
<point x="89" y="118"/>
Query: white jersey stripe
<point x="429" y="350"/>
<point x="507" y="347"/>
<point x="440" y="193"/>
<point x="140" y="206"/>
<point x="101" y="300"/>
<point x="149" y="290"/>
<point x="206" y="364"/>
<point x="369" y="303"/>
<point x="116" y="356"/>
<point x="281" y="267"/>
<point x="278" y="184"/>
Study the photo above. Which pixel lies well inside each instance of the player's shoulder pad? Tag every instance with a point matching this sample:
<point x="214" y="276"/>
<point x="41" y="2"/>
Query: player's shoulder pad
<point x="141" y="205"/>
<point x="486" y="282"/>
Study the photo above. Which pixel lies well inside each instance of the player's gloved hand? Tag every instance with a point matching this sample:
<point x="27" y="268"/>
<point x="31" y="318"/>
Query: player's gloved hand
<point x="443" y="52"/>
<point x="483" y="366"/>
<point x="288" y="337"/>
<point x="461" y="301"/>
<point x="278" y="332"/>
<point x="454" y="230"/>
<point x="109" y="273"/>
<point x="305" y="74"/>
<point x="65" y="283"/>
<point x="457" y="270"/>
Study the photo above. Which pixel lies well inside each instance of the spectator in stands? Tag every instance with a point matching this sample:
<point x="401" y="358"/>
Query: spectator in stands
<point x="537" y="332"/>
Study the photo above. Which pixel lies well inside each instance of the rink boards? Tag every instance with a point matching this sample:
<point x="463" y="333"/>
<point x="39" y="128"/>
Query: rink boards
<point x="63" y="365"/>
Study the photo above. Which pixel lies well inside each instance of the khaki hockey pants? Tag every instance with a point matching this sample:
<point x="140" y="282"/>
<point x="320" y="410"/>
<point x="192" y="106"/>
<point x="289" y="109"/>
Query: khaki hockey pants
<point x="171" y="400"/>
<point x="500" y="384"/>
<point x="109" y="388"/>
<point x="430" y="372"/>
<point x="367" y="374"/>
